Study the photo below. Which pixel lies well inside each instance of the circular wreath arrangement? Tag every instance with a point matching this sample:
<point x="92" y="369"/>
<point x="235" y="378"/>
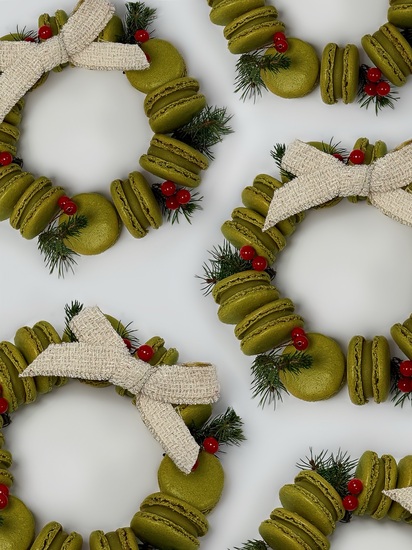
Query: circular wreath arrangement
<point x="291" y="68"/>
<point x="310" y="366"/>
<point x="175" y="402"/>
<point x="185" y="130"/>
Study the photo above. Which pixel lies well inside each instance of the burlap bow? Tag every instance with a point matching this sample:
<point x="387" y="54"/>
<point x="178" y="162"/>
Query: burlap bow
<point x="23" y="63"/>
<point x="322" y="177"/>
<point x="101" y="354"/>
<point x="402" y="496"/>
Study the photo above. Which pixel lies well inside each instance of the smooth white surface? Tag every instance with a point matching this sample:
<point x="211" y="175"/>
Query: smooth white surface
<point x="82" y="456"/>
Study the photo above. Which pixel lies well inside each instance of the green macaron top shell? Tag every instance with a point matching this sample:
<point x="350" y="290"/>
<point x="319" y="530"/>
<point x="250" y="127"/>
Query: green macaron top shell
<point x="306" y="531"/>
<point x="390" y="477"/>
<point x="350" y="76"/>
<point x="371" y="472"/>
<point x="149" y="207"/>
<point x="326" y="80"/>
<point x="381" y="369"/>
<point x="166" y="64"/>
<point x="354" y="370"/>
<point x="381" y="59"/>
<point x="18" y="529"/>
<point x="326" y="375"/>
<point x="313" y="482"/>
<point x="162" y="533"/>
<point x="11" y="190"/>
<point x="301" y="77"/>
<point x="400" y="13"/>
<point x="121" y="539"/>
<point x="225" y="11"/>
<point x="41" y="212"/>
<point x="28" y="200"/>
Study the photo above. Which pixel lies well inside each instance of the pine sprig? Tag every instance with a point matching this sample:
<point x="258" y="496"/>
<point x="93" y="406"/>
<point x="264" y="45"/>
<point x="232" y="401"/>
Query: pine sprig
<point x="51" y="244"/>
<point x="253" y="545"/>
<point x="70" y="311"/>
<point x="266" y="382"/>
<point x="226" y="428"/>
<point x="249" y="68"/>
<point x="205" y="129"/>
<point x="398" y="397"/>
<point x="24" y="34"/>
<point x="138" y="16"/>
<point x="174" y="216"/>
<point x="334" y="148"/>
<point x="379" y="102"/>
<point x="277" y="153"/>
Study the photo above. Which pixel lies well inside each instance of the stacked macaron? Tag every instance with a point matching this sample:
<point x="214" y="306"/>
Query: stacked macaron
<point x="400" y="13"/>
<point x="53" y="537"/>
<point x="121" y="539"/>
<point x="55" y="22"/>
<point x="371" y="153"/>
<point x="402" y="335"/>
<point x="339" y="73"/>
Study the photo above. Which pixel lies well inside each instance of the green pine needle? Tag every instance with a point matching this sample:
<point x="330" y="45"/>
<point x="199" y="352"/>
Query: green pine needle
<point x="23" y="34"/>
<point x="71" y="311"/>
<point x="51" y="244"/>
<point x="253" y="545"/>
<point x="205" y="129"/>
<point x="138" y="16"/>
<point x="249" y="71"/>
<point x="398" y="397"/>
<point x="226" y="428"/>
<point x="266" y="382"/>
<point x="379" y="102"/>
<point x="277" y="153"/>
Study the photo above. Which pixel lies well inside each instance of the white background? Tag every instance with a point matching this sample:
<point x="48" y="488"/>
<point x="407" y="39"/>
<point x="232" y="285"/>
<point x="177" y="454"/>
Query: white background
<point x="82" y="456"/>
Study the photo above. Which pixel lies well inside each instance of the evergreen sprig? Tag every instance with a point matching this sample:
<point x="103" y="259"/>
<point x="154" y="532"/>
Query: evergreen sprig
<point x="70" y="311"/>
<point x="205" y="129"/>
<point x="57" y="255"/>
<point x="266" y="382"/>
<point x="138" y="16"/>
<point x="226" y="428"/>
<point x="24" y="34"/>
<point x="379" y="102"/>
<point x="187" y="210"/>
<point x="253" y="545"/>
<point x="277" y="153"/>
<point x="398" y="397"/>
<point x="249" y="71"/>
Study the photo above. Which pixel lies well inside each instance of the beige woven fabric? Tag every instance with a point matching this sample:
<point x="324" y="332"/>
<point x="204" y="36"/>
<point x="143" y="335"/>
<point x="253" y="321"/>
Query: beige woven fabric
<point x="321" y="177"/>
<point x="23" y="63"/>
<point x="101" y="354"/>
<point x="402" y="496"/>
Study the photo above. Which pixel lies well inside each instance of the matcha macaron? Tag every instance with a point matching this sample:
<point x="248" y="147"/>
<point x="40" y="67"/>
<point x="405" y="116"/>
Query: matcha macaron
<point x="14" y="115"/>
<point x="9" y="136"/>
<point x="55" y="22"/>
<point x="13" y="183"/>
<point x="402" y="335"/>
<point x="225" y="11"/>
<point x="371" y="471"/>
<point x="121" y="539"/>
<point x="400" y="13"/>
<point x="339" y="73"/>
<point x="404" y="479"/>
<point x="52" y="537"/>
<point x="18" y="529"/>
<point x="16" y="390"/>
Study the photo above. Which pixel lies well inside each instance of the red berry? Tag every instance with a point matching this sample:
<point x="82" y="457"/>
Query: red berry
<point x="211" y="445"/>
<point x="355" y="486"/>
<point x="3" y="501"/>
<point x="279" y="36"/>
<point x="301" y="342"/>
<point x="350" y="503"/>
<point x="127" y="343"/>
<point x="4" y="405"/>
<point x="4" y="490"/>
<point x="383" y="88"/>
<point x="62" y="201"/>
<point x="141" y="35"/>
<point x="405" y="384"/>
<point x="145" y="352"/>
<point x="259" y="263"/>
<point x="1" y="389"/>
<point x="338" y="156"/>
<point x="373" y="74"/>
<point x="370" y="89"/>
<point x="247" y="252"/>
<point x="281" y="46"/>
<point x="70" y="208"/>
<point x="172" y="203"/>
<point x="29" y="39"/>
<point x="357" y="156"/>
<point x="296" y="332"/>
<point x="168" y="188"/>
<point x="183" y="196"/>
<point x="6" y="158"/>
<point x="405" y="368"/>
<point x="45" y="32"/>
<point x="148" y="57"/>
<point x="195" y="465"/>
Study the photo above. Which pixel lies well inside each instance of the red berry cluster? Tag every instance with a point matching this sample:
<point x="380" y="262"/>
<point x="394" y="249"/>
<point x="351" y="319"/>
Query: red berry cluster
<point x="67" y="205"/>
<point x="279" y="42"/>
<point x="350" y="502"/>
<point x="141" y="35"/>
<point x="175" y="198"/>
<point x="299" y="338"/>
<point x="357" y="156"/>
<point x="248" y="253"/>
<point x="405" y="381"/>
<point x="44" y="32"/>
<point x="375" y="86"/>
<point x="145" y="352"/>
<point x="6" y="158"/>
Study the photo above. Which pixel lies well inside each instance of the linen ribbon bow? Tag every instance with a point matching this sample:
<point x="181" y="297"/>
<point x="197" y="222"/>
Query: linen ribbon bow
<point x="101" y="354"/>
<point x="23" y="63"/>
<point x="322" y="177"/>
<point x="403" y="496"/>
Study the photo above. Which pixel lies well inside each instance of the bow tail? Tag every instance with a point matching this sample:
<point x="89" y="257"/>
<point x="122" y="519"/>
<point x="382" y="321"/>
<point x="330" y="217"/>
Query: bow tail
<point x="110" y="56"/>
<point x="170" y="431"/>
<point x="396" y="204"/>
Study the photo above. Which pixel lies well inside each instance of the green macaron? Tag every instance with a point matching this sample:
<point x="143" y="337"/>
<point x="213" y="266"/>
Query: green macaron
<point x="13" y="184"/>
<point x="326" y="375"/>
<point x="52" y="537"/>
<point x="371" y="153"/>
<point x="121" y="539"/>
<point x="166" y="64"/>
<point x="302" y="75"/>
<point x="402" y="335"/>
<point x="253" y="29"/>
<point x="400" y="13"/>
<point x="160" y="532"/>
<point x="317" y="485"/>
<point x="15" y="114"/>
<point x="15" y="363"/>
<point x="161" y="355"/>
<point x="390" y="478"/>
<point x="56" y="23"/>
<point x="370" y="470"/>
<point x="136" y="204"/>
<point x="173" y="104"/>
<point x="224" y="12"/>
<point x="173" y="160"/>
<point x="339" y="73"/>
<point x="18" y="528"/>
<point x="9" y="135"/>
<point x="195" y="415"/>
<point x="113" y="31"/>
<point x="396" y="511"/>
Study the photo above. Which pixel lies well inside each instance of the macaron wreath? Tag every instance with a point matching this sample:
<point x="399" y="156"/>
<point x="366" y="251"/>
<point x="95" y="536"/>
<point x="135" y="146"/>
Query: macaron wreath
<point x="331" y="489"/>
<point x="288" y="359"/>
<point x="172" y="517"/>
<point x="185" y="130"/>
<point x="291" y="68"/>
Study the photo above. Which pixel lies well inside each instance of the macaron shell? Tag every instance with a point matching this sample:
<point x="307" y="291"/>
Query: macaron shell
<point x="162" y="533"/>
<point x="13" y="387"/>
<point x="11" y="191"/>
<point x="166" y="64"/>
<point x="301" y="77"/>
<point x="350" y="76"/>
<point x="225" y="11"/>
<point x="196" y="414"/>
<point x="381" y="369"/>
<point x="354" y="370"/>
<point x="401" y="46"/>
<point x="403" y="338"/>
<point x="369" y="471"/>
<point x="381" y="59"/>
<point x="73" y="541"/>
<point x="30" y="197"/>
<point x="16" y="365"/>
<point x="18" y="529"/>
<point x="390" y="478"/>
<point x="326" y="83"/>
<point x="98" y="541"/>
<point x="326" y="375"/>
<point x="323" y="490"/>
<point x="146" y="199"/>
<point x="47" y="535"/>
<point x="127" y="539"/>
<point x="41" y="213"/>
<point x="396" y="511"/>
<point x="103" y="224"/>
<point x="400" y="14"/>
<point x="303" y="528"/>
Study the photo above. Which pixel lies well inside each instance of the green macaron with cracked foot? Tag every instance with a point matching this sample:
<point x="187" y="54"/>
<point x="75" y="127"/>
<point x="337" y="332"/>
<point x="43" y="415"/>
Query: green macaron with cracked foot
<point x="224" y="12"/>
<point x="324" y="378"/>
<point x="18" y="528"/>
<point x="121" y="539"/>
<point x="52" y="537"/>
<point x="136" y="204"/>
<point x="339" y="73"/>
<point x="400" y="13"/>
<point x="302" y="75"/>
<point x="173" y="160"/>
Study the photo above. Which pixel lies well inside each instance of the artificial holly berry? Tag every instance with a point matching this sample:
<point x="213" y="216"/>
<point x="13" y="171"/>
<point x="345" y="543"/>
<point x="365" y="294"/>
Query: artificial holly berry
<point x="373" y="74"/>
<point x="370" y="89"/>
<point x="355" y="486"/>
<point x="145" y="352"/>
<point x="259" y="263"/>
<point x="70" y="208"/>
<point x="168" y="188"/>
<point x="211" y="445"/>
<point x="45" y="32"/>
<point x="350" y="503"/>
<point x="6" y="158"/>
<point x="4" y="490"/>
<point x="296" y="332"/>
<point x="338" y="156"/>
<point x="405" y="384"/>
<point x="195" y="465"/>
<point x="383" y="88"/>
<point x="127" y="343"/>
<point x="148" y="57"/>
<point x="62" y="201"/>
<point x="183" y="196"/>
<point x="357" y="156"/>
<point x="281" y="46"/>
<point x="405" y="368"/>
<point x="279" y="36"/>
<point x="29" y="39"/>
<point x="172" y="203"/>
<point x="301" y="342"/>
<point x="4" y="405"/>
<point x="3" y="501"/>
<point x="247" y="252"/>
<point x="141" y="35"/>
